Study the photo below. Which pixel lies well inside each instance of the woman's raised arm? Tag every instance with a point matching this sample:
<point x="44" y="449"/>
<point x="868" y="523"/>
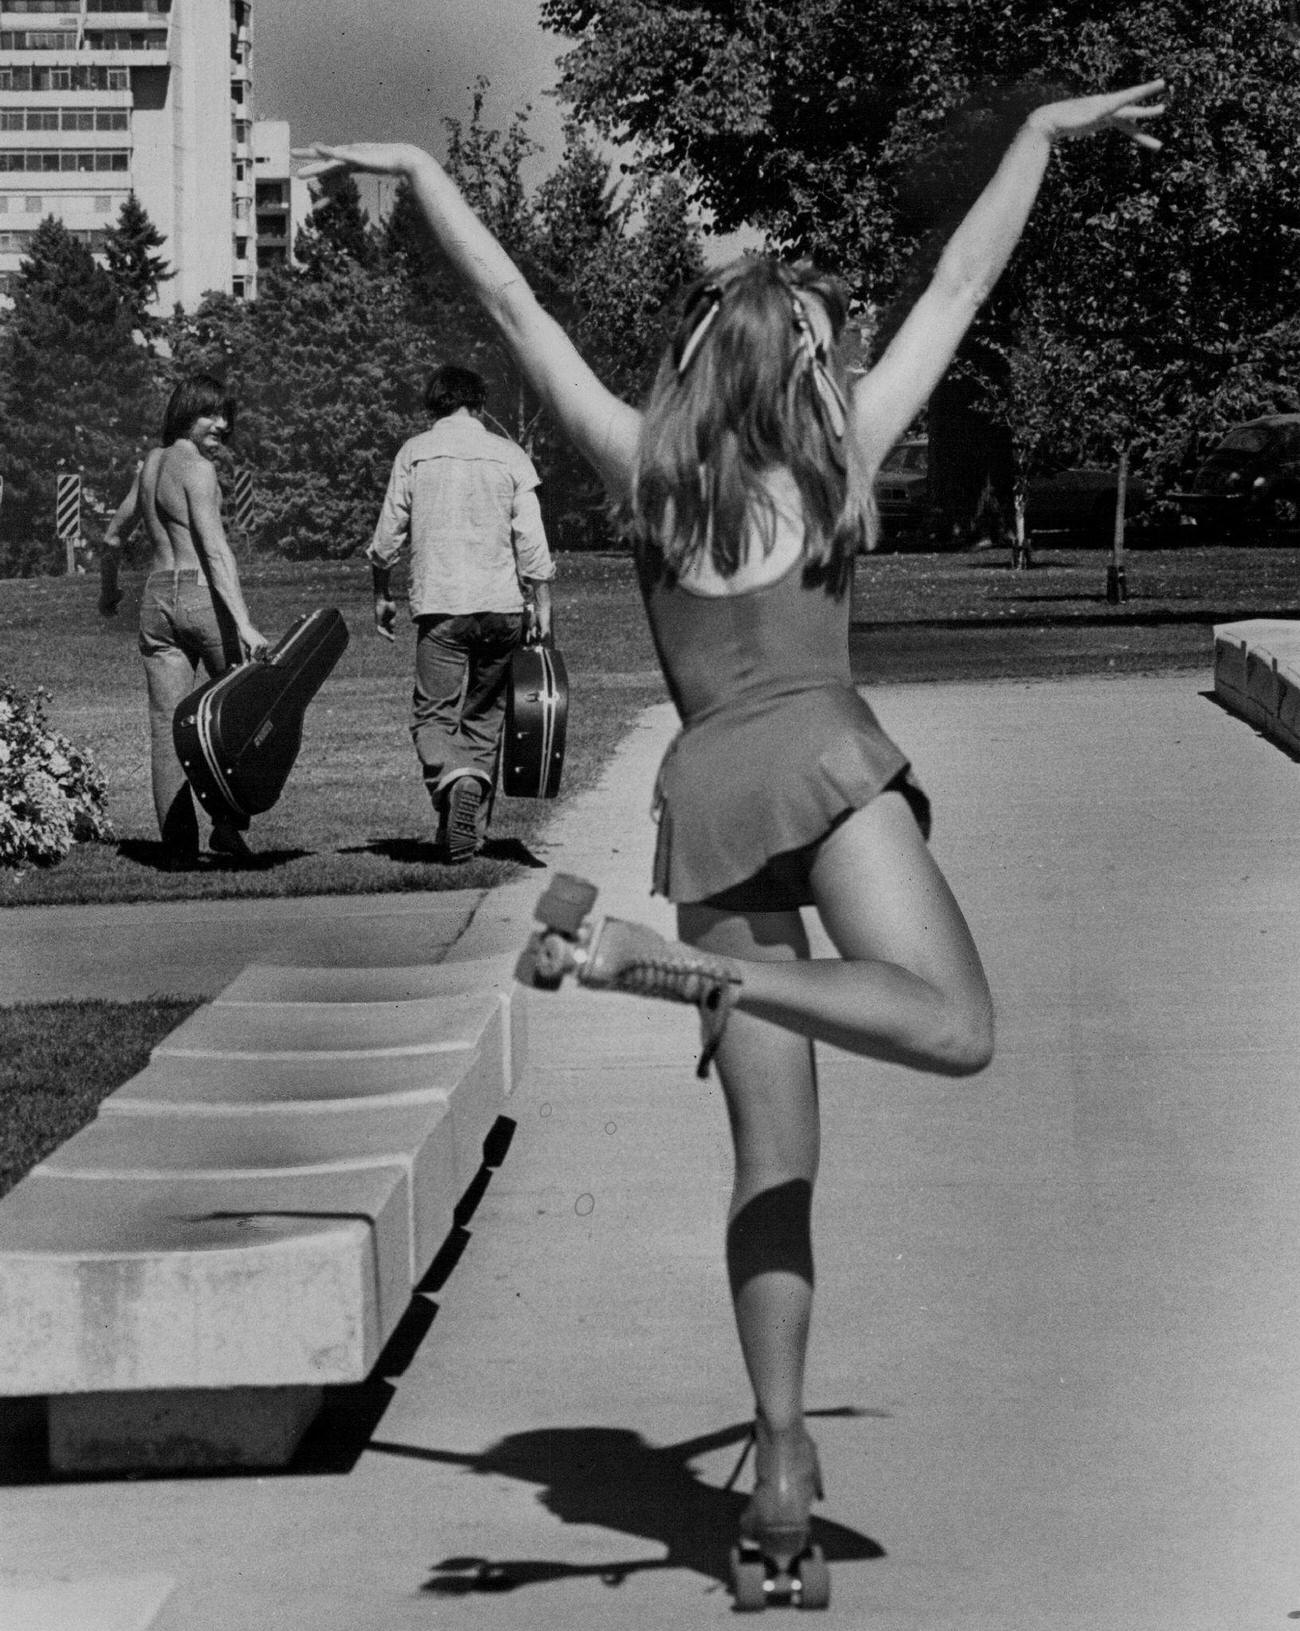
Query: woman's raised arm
<point x="890" y="396"/>
<point x="603" y="428"/>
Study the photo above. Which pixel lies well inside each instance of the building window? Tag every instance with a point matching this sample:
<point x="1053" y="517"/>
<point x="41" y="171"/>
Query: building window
<point x="37" y="40"/>
<point x="35" y="203"/>
<point x="124" y="39"/>
<point x="101" y="158"/>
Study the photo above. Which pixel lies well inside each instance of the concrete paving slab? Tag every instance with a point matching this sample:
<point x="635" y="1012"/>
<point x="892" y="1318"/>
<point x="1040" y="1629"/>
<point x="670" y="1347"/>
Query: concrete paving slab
<point x="1056" y="1302"/>
<point x="105" y="1603"/>
<point x="194" y="948"/>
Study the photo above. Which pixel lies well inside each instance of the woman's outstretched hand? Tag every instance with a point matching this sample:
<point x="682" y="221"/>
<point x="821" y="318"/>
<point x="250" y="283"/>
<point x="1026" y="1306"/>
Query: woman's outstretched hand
<point x="1116" y="110"/>
<point x="376" y="158"/>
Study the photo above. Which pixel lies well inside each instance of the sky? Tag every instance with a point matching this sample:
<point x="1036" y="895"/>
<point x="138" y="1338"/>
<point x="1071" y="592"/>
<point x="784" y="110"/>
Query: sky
<point x="391" y="70"/>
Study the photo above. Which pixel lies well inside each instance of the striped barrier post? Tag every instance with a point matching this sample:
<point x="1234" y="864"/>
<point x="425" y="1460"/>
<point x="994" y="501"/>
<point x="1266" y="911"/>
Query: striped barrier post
<point x="244" y="500"/>
<point x="67" y="516"/>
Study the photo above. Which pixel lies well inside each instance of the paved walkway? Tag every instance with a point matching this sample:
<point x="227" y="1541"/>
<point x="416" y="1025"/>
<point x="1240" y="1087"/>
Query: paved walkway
<point x="1057" y="1305"/>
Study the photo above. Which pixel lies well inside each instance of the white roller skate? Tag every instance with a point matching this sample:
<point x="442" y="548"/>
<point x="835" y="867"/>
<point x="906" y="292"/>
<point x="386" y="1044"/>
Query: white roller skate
<point x="610" y="954"/>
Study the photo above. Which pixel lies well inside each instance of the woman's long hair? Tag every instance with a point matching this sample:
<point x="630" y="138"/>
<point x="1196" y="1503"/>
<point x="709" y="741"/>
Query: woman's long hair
<point x="743" y="390"/>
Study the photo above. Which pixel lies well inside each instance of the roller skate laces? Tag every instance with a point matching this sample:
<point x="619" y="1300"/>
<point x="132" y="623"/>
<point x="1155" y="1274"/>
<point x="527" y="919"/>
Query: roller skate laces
<point x="614" y="955"/>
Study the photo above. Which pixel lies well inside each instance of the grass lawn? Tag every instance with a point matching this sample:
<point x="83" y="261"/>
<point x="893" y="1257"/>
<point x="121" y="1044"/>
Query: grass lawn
<point x="354" y="816"/>
<point x="58" y="1060"/>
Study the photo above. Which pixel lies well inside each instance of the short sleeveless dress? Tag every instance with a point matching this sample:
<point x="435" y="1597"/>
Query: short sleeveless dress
<point x="776" y="747"/>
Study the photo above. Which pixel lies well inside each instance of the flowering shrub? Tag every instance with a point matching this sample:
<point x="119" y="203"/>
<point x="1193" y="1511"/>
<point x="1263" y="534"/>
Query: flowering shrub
<point x="51" y="794"/>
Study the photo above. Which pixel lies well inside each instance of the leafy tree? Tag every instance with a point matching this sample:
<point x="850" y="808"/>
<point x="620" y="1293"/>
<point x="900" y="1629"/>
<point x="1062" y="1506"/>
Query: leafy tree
<point x="612" y="270"/>
<point x="858" y="131"/>
<point x="78" y="393"/>
<point x="136" y="270"/>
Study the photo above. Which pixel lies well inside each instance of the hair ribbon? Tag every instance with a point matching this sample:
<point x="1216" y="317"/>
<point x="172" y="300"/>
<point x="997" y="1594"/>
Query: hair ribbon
<point x="709" y="302"/>
<point x="834" y="410"/>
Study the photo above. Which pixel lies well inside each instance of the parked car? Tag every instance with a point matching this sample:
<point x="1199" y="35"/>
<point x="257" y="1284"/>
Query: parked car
<point x="1079" y="502"/>
<point x="903" y="489"/>
<point x="1250" y="484"/>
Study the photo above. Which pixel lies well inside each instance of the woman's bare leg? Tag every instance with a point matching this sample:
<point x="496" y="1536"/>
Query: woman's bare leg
<point x="770" y="1088"/>
<point x="908" y="985"/>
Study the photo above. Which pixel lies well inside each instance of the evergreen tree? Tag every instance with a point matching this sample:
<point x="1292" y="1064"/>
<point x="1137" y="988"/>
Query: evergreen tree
<point x="79" y="393"/>
<point x="328" y="371"/>
<point x="132" y="264"/>
<point x="337" y="231"/>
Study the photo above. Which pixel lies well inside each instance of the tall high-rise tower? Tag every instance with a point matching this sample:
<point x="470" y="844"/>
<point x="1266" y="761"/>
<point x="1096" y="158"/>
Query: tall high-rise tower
<point x="99" y="98"/>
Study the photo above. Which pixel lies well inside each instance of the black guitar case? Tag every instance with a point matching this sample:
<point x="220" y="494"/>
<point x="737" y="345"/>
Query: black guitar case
<point x="537" y="714"/>
<point x="237" y="737"/>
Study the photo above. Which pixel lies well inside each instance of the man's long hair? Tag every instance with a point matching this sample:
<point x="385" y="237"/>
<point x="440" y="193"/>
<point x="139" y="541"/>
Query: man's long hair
<point x="196" y="397"/>
<point x="742" y="392"/>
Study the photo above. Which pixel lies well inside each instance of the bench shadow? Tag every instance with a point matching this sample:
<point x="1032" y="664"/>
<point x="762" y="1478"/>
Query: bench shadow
<point x="1279" y="747"/>
<point x="611" y="1478"/>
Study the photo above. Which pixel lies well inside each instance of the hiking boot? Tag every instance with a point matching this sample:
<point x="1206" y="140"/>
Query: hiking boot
<point x="464" y="816"/>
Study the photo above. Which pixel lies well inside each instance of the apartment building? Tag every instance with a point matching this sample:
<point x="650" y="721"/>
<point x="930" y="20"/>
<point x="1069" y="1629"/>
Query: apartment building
<point x="99" y="98"/>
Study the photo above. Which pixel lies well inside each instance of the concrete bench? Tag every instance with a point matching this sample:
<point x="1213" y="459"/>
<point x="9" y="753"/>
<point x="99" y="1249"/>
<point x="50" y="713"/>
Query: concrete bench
<point x="1257" y="675"/>
<point x="245" y="1221"/>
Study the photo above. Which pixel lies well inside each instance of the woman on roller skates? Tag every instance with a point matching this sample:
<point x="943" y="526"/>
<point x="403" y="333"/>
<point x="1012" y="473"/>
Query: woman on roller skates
<point x="746" y="484"/>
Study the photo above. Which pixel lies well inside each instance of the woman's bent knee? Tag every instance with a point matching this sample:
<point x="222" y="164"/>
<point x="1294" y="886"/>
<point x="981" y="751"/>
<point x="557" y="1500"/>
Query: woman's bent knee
<point x="968" y="1040"/>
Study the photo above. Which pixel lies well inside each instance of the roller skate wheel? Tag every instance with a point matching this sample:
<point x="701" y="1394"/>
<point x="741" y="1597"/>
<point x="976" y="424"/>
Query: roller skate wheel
<point x="748" y="1581"/>
<point x="565" y="903"/>
<point x="537" y="970"/>
<point x="814" y="1579"/>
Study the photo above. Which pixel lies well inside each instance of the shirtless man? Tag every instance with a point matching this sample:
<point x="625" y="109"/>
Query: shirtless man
<point x="192" y="610"/>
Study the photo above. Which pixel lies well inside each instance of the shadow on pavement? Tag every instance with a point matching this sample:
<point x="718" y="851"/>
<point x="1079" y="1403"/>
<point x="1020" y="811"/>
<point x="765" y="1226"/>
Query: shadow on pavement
<point x="610" y="1478"/>
<point x="155" y="855"/>
<point x="424" y="852"/>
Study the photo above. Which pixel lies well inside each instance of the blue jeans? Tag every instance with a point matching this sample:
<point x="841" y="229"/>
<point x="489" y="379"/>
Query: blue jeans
<point x="462" y="665"/>
<point x="181" y="630"/>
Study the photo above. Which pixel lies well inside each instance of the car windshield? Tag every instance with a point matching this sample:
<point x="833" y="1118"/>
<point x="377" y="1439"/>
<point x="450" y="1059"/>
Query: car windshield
<point x="909" y="456"/>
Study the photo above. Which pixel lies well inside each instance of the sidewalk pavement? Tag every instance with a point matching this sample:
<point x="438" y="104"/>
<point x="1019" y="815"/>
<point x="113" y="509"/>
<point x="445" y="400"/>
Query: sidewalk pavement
<point x="1057" y="1315"/>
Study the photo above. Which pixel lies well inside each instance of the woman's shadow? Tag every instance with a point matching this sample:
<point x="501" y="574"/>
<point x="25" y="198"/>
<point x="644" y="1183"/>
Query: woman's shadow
<point x="610" y="1478"/>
